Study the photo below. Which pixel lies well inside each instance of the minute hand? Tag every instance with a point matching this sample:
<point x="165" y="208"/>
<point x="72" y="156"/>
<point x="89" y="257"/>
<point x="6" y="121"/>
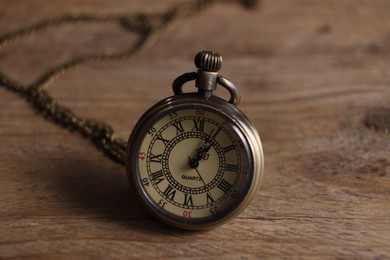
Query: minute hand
<point x="205" y="148"/>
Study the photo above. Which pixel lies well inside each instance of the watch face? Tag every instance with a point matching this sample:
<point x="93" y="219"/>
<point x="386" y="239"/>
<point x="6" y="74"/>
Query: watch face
<point x="191" y="165"/>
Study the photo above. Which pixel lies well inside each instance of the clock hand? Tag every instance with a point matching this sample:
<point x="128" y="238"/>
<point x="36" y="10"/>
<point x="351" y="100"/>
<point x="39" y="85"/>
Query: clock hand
<point x="200" y="176"/>
<point x="208" y="141"/>
<point x="201" y="152"/>
<point x="194" y="165"/>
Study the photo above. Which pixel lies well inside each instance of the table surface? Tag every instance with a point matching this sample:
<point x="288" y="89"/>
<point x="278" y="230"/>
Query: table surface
<point x="310" y="72"/>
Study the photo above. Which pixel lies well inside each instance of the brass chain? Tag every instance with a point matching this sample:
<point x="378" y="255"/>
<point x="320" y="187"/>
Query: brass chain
<point x="146" y="25"/>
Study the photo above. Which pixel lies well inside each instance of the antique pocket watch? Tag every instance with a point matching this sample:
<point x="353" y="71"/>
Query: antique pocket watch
<point x="194" y="159"/>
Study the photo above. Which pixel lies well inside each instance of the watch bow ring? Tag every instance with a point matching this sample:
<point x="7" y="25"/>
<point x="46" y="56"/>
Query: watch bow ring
<point x="195" y="159"/>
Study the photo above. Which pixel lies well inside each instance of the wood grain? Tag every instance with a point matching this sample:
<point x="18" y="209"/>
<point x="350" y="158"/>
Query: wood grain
<point x="309" y="72"/>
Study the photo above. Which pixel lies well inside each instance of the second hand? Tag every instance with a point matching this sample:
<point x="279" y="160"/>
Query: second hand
<point x="194" y="165"/>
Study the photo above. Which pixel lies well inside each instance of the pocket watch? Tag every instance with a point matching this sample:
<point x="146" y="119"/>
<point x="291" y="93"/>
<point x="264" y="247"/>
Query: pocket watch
<point x="195" y="159"/>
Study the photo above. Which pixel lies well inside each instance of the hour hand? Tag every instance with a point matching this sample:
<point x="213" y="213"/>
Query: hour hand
<point x="193" y="163"/>
<point x="202" y="151"/>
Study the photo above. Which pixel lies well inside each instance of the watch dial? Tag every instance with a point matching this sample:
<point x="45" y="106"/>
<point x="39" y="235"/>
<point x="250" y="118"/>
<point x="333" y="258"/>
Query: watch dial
<point x="193" y="164"/>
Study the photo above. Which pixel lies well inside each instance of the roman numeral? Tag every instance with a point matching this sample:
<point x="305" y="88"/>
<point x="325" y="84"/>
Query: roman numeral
<point x="216" y="132"/>
<point x="209" y="198"/>
<point x="224" y="186"/>
<point x="169" y="192"/>
<point x="198" y="125"/>
<point x="188" y="200"/>
<point x="157" y="177"/>
<point x="231" y="168"/>
<point x="229" y="148"/>
<point x="156" y="158"/>
<point x="159" y="137"/>
<point x="179" y="127"/>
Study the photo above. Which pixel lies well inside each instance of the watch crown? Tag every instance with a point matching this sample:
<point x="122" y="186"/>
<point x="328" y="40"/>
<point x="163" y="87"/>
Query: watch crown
<point x="208" y="61"/>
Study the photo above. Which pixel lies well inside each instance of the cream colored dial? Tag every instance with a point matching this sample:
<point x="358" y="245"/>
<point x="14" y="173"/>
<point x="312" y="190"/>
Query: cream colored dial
<point x="193" y="163"/>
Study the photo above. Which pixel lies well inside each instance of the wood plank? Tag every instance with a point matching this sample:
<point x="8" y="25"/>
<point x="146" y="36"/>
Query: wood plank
<point x="309" y="71"/>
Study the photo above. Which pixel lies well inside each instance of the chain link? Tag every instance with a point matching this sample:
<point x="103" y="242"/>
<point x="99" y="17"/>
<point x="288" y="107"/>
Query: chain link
<point x="146" y="25"/>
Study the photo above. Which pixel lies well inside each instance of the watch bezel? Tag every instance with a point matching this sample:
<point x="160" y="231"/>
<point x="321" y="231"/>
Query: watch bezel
<point x="245" y="130"/>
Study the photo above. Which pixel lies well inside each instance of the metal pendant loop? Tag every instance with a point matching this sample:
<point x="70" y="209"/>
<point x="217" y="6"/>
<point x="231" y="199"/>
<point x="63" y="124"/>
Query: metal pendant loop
<point x="235" y="96"/>
<point x="207" y="78"/>
<point x="178" y="83"/>
<point x="177" y="86"/>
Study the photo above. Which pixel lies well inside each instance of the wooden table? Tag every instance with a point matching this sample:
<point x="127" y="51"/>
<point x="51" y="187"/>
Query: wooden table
<point x="309" y="72"/>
